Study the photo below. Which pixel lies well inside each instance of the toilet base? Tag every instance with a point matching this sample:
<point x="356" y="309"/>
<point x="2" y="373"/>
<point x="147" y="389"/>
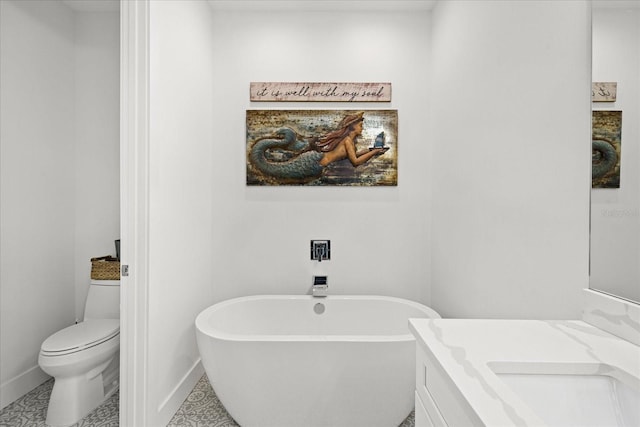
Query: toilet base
<point x="73" y="398"/>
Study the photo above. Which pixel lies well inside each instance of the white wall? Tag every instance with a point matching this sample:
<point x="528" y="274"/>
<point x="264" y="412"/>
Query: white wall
<point x="379" y="237"/>
<point x="615" y="215"/>
<point x="97" y="126"/>
<point x="211" y="237"/>
<point x="509" y="233"/>
<point x="57" y="159"/>
<point x="181" y="197"/>
<point x="509" y="236"/>
<point x="36" y="274"/>
<point x="511" y="84"/>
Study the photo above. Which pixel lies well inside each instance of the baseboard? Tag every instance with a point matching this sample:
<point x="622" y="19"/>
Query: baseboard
<point x="172" y="402"/>
<point x="20" y="385"/>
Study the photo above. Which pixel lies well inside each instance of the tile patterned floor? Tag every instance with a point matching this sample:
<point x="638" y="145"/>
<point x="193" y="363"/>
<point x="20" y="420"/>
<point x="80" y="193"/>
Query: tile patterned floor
<point x="201" y="409"/>
<point x="31" y="410"/>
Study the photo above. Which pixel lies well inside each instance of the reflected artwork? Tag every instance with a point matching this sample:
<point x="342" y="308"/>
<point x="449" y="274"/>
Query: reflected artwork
<point x="322" y="147"/>
<point x="606" y="149"/>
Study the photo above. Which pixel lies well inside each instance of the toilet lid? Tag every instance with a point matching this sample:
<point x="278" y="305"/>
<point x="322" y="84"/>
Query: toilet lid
<point x="80" y="336"/>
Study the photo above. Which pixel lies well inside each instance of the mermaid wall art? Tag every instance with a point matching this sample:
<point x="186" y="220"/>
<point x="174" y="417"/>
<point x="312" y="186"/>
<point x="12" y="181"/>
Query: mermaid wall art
<point x="606" y="148"/>
<point x="322" y="147"/>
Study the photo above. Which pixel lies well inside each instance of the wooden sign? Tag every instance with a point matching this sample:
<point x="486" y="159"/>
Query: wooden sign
<point x="323" y="92"/>
<point x="604" y="91"/>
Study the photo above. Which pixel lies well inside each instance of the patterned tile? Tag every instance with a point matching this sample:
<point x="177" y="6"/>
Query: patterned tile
<point x="410" y="421"/>
<point x="105" y="415"/>
<point x="201" y="408"/>
<point x="31" y="410"/>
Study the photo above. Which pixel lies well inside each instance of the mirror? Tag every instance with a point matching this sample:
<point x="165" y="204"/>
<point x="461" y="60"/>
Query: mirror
<point x="615" y="209"/>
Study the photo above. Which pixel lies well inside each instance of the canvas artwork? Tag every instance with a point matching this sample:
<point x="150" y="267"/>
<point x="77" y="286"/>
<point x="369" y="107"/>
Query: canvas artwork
<point x="322" y="147"/>
<point x="606" y="149"/>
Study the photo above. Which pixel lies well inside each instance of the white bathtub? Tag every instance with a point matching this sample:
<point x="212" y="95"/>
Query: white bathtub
<point x="274" y="362"/>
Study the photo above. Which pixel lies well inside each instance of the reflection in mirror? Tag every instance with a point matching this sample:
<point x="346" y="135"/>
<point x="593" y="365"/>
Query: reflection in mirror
<point x="615" y="212"/>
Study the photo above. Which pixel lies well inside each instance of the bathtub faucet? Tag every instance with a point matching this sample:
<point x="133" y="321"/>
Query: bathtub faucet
<point x="320" y="286"/>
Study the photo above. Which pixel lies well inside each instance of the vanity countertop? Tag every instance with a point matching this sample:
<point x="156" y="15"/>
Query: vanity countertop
<point x="469" y="351"/>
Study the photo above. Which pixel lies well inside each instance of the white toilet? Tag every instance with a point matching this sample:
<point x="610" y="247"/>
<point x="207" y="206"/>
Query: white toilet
<point x="84" y="358"/>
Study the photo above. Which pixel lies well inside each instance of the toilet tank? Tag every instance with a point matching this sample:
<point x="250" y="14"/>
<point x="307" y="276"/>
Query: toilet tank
<point x="103" y="300"/>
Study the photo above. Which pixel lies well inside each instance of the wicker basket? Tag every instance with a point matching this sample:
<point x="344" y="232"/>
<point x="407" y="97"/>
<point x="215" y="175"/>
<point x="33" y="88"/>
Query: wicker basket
<point x="105" y="268"/>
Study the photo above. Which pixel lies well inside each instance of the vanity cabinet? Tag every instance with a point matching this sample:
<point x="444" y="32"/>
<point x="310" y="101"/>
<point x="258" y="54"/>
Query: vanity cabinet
<point x="437" y="400"/>
<point x="461" y="366"/>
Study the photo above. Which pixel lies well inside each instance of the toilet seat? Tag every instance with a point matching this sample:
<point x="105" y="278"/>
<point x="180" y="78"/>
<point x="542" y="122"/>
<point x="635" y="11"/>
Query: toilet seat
<point x="80" y="337"/>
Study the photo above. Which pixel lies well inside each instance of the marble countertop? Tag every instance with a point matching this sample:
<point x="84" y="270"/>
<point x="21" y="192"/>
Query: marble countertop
<point x="470" y="351"/>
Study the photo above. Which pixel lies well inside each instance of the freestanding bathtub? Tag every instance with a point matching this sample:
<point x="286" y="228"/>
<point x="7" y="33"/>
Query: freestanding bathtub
<point x="299" y="361"/>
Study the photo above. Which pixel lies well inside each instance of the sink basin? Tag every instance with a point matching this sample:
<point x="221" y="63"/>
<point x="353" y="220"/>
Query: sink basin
<point x="577" y="399"/>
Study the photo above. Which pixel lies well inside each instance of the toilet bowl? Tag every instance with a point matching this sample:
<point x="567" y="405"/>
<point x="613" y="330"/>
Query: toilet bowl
<point x="84" y="358"/>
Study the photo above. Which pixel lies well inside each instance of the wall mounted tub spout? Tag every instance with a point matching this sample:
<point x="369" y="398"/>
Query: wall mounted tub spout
<point x="320" y="286"/>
